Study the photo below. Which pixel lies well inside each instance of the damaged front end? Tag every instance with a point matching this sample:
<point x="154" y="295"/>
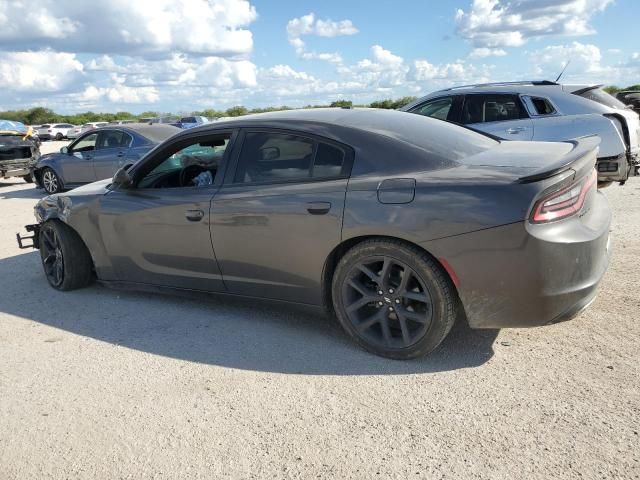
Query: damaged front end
<point x="19" y="150"/>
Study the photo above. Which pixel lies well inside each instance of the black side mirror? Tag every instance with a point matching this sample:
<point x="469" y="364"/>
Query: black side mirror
<point x="64" y="150"/>
<point x="122" y="179"/>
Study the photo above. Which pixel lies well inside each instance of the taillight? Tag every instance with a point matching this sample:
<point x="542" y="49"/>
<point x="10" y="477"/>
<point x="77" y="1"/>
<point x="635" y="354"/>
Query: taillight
<point x="565" y="202"/>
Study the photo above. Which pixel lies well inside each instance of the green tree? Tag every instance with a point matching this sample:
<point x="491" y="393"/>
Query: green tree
<point x="236" y="111"/>
<point x="342" y="104"/>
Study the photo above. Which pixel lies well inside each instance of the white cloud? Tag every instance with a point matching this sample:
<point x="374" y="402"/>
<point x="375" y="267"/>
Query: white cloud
<point x="43" y="71"/>
<point x="492" y="24"/>
<point x="585" y="61"/>
<point x="309" y="25"/>
<point x="121" y="94"/>
<point x="483" y="52"/>
<point x="141" y="27"/>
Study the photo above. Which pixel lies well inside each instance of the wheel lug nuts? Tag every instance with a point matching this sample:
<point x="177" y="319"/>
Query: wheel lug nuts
<point x="380" y="304"/>
<point x="380" y="292"/>
<point x="391" y="290"/>
<point x="397" y="300"/>
<point x="391" y="309"/>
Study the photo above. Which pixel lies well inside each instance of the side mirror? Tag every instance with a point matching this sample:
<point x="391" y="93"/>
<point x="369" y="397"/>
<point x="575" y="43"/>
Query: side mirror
<point x="64" y="150"/>
<point x="122" y="179"/>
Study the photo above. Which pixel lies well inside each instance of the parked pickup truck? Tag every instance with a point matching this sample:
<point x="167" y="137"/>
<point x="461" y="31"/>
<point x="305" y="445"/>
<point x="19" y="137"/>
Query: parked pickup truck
<point x="19" y="150"/>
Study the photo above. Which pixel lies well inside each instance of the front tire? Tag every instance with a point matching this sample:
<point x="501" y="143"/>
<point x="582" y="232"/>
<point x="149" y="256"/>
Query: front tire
<point x="393" y="299"/>
<point x="27" y="178"/>
<point x="50" y="181"/>
<point x="66" y="261"/>
<point x="59" y="136"/>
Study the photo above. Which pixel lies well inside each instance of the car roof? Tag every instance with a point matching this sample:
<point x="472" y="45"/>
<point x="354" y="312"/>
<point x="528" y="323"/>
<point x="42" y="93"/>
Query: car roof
<point x="157" y="132"/>
<point x="414" y="129"/>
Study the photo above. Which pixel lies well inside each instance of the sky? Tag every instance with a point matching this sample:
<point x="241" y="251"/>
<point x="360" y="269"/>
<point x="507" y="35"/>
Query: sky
<point x="182" y="56"/>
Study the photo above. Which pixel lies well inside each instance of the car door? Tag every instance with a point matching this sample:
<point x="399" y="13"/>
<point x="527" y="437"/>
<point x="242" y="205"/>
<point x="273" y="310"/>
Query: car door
<point x="157" y="232"/>
<point x="279" y="214"/>
<point x="112" y="147"/>
<point x="77" y="164"/>
<point x="502" y="115"/>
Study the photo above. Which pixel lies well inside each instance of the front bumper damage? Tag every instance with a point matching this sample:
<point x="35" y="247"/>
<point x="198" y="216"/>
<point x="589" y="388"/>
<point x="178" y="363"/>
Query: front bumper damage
<point x="18" y="154"/>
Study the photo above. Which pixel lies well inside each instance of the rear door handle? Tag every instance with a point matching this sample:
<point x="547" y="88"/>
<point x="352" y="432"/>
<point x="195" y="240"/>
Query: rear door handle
<point x="318" y="208"/>
<point x="194" y="215"/>
<point x="515" y="130"/>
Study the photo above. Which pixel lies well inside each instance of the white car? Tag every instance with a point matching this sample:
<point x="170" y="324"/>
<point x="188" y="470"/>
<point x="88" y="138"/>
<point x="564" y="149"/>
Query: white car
<point x="74" y="132"/>
<point x="91" y="125"/>
<point x="545" y="111"/>
<point x="54" y="131"/>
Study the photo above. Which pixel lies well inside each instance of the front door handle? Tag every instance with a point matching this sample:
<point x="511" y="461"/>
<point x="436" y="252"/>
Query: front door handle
<point x="120" y="154"/>
<point x="515" y="130"/>
<point x="318" y="208"/>
<point x="194" y="215"/>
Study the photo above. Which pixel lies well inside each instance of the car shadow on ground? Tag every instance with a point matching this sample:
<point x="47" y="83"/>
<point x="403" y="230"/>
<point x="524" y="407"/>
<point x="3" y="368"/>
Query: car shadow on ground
<point x="31" y="192"/>
<point x="226" y="331"/>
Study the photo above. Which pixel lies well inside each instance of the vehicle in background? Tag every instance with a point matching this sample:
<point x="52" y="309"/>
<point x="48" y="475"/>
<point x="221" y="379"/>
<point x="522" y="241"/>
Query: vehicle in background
<point x="544" y="111"/>
<point x="190" y="122"/>
<point x="631" y="98"/>
<point x="19" y="150"/>
<point x="96" y="155"/>
<point x="54" y="131"/>
<point x="74" y="132"/>
<point x="122" y="122"/>
<point x="145" y="120"/>
<point x="92" y="125"/>
<point x="169" y="120"/>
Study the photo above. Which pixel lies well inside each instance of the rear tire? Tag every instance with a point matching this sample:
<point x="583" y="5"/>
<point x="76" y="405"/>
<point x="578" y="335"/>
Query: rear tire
<point x="27" y="178"/>
<point x="59" y="136"/>
<point x="393" y="299"/>
<point x="66" y="261"/>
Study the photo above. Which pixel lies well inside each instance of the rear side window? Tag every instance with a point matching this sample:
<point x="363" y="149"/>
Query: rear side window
<point x="600" y="96"/>
<point x="113" y="139"/>
<point x="438" y="108"/>
<point x="491" y="108"/>
<point x="542" y="106"/>
<point x="278" y="157"/>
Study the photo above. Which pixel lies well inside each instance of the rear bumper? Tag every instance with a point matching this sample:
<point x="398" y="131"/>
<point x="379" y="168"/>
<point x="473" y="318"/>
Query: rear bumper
<point x="525" y="275"/>
<point x="15" y="168"/>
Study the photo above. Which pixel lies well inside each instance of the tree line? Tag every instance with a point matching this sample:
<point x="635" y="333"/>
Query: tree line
<point x="41" y="115"/>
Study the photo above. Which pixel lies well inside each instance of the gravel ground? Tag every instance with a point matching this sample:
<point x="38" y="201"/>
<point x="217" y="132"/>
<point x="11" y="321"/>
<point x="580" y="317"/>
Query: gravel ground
<point x="98" y="383"/>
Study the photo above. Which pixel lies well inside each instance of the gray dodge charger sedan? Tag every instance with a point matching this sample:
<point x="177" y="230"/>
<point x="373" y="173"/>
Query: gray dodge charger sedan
<point x="397" y="223"/>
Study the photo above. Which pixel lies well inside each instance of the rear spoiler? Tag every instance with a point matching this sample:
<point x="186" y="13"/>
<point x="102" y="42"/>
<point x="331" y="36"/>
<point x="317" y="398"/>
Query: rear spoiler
<point x="582" y="157"/>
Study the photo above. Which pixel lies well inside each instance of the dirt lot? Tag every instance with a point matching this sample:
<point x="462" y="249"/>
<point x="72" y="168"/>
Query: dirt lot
<point x="104" y="384"/>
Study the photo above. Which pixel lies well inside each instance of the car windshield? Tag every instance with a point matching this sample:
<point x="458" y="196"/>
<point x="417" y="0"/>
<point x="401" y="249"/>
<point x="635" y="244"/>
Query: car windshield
<point x="599" y="95"/>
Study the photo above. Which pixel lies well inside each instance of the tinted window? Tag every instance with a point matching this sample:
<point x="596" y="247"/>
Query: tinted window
<point x="491" y="108"/>
<point x="188" y="120"/>
<point x="438" y="108"/>
<point x="113" y="139"/>
<point x="600" y="96"/>
<point x="542" y="106"/>
<point x="276" y="157"/>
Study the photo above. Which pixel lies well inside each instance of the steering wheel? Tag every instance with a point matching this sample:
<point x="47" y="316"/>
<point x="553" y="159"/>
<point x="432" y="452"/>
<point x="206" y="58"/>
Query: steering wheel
<point x="188" y="173"/>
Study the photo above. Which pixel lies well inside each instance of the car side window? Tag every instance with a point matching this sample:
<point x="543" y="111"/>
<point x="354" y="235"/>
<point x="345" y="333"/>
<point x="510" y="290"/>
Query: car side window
<point x="542" y="106"/>
<point x="437" y="108"/>
<point x="113" y="139"/>
<point x="84" y="144"/>
<point x="192" y="164"/>
<point x="279" y="157"/>
<point x="491" y="108"/>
